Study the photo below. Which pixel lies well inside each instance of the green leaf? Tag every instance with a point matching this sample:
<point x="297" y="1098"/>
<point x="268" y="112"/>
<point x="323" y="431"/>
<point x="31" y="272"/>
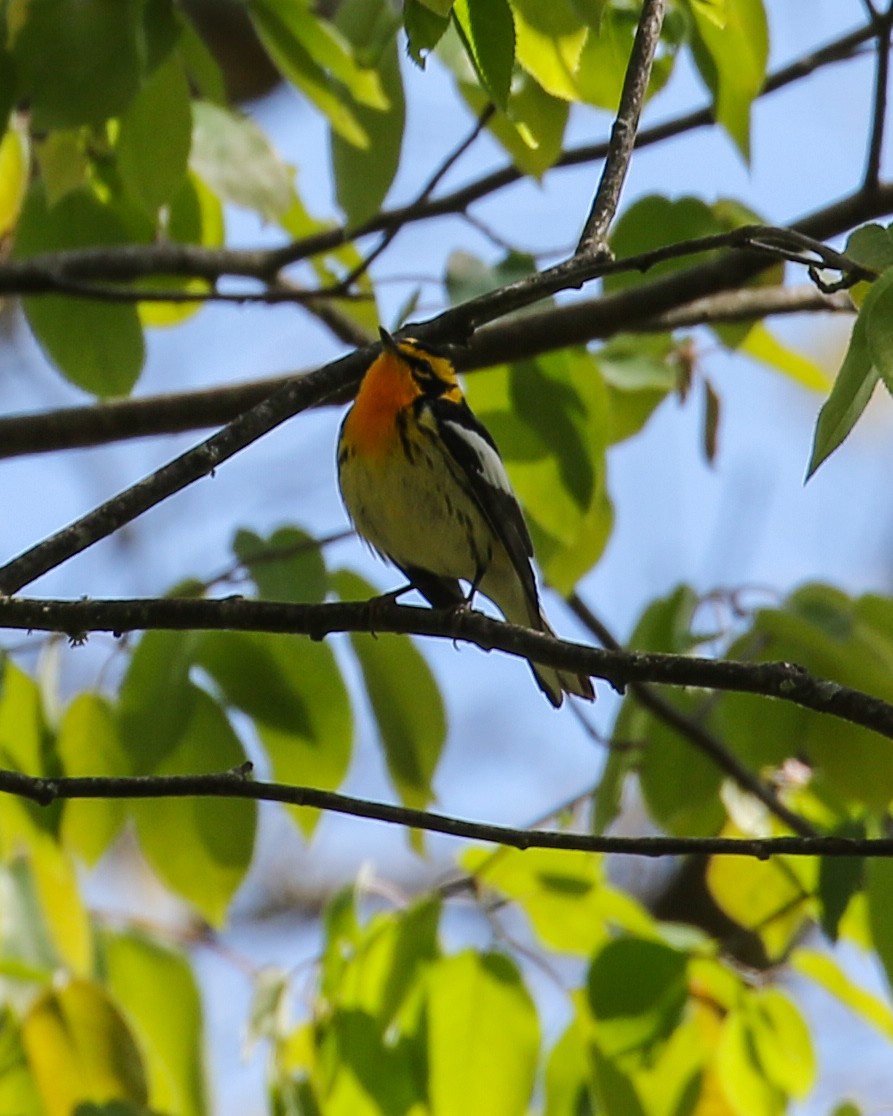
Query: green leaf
<point x="27" y="947"/>
<point x="771" y="899"/>
<point x="149" y="978"/>
<point x="97" y="346"/>
<point x="567" y="1075"/>
<point x="152" y="157"/>
<point x="853" y="387"/>
<point x="636" y="991"/>
<point x="871" y="246"/>
<point x="879" y="875"/>
<point x="294" y="691"/>
<point x="214" y="836"/>
<point x="363" y="174"/>
<point x="829" y="974"/>
<point x="235" y="158"/>
<point x="424" y="30"/>
<point x="287" y="566"/>
<point x="548" y="43"/>
<point x="605" y="56"/>
<point x="731" y="60"/>
<point x="405" y="700"/>
<point x="483" y="1037"/>
<point x="640" y="372"/>
<point x="782" y="1042"/>
<point x="204" y="73"/>
<point x="308" y="51"/>
<point x="877" y="310"/>
<point x="742" y="1077"/>
<point x="79" y="61"/>
<point x="488" y="31"/>
<point x="88" y="744"/>
<point x="840" y="878"/>
<point x="80" y="1048"/>
<point x="155" y="702"/>
<point x="63" y="161"/>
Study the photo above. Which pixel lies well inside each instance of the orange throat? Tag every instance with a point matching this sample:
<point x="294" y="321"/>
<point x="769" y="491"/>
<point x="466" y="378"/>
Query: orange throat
<point x="371" y="425"/>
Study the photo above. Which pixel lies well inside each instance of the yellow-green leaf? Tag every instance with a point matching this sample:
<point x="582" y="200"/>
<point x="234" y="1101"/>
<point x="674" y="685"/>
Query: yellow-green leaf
<point x="13" y="176"/>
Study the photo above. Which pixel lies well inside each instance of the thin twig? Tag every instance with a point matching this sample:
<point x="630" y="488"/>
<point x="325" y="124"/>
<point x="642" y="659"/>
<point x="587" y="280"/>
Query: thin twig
<point x="594" y="239"/>
<point x="879" y="111"/>
<point x="695" y="733"/>
<point x="238" y="785"/>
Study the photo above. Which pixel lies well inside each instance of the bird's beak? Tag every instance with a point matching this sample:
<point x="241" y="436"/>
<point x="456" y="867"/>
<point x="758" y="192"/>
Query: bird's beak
<point x="388" y="342"/>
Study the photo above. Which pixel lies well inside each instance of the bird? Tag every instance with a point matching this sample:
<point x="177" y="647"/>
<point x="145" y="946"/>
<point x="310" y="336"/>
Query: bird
<point x="424" y="485"/>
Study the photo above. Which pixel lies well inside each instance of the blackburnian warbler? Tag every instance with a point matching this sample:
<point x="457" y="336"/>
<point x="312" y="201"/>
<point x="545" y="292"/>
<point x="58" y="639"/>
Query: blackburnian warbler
<point x="424" y="484"/>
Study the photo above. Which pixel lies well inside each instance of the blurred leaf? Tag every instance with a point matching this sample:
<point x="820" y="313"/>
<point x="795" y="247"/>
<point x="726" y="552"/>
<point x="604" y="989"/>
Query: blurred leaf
<point x="294" y="691"/>
<point x="96" y="345"/>
<point x="636" y="991"/>
<point x="826" y="971"/>
<point x="152" y="159"/>
<point x="840" y="877"/>
<point x="712" y="404"/>
<point x="871" y="246"/>
<point x="155" y="702"/>
<point x="17" y="1090"/>
<point x="605" y="56"/>
<point x="27" y="948"/>
<point x="488" y="32"/>
<point x="236" y="159"/>
<point x="879" y="878"/>
<point x="405" y="699"/>
<point x="149" y="979"/>
<point x="288" y="566"/>
<point x="761" y="344"/>
<point x="782" y="1042"/>
<point x="26" y="745"/>
<point x="88" y="744"/>
<point x="80" y="1049"/>
<point x="741" y="1075"/>
<point x="204" y="73"/>
<point x="13" y="176"/>
<point x="877" y="309"/>
<point x="548" y="42"/>
<point x="214" y="836"/>
<point x="56" y="887"/>
<point x="567" y="1075"/>
<point x="371" y="1074"/>
<point x="64" y="166"/>
<point x="363" y="174"/>
<point x="640" y="372"/>
<point x="831" y="636"/>
<point x="771" y="898"/>
<point x="664" y="626"/>
<point x="308" y="51"/>
<point x="79" y="60"/>
<point x="731" y="59"/>
<point x="483" y="1037"/>
<point x="424" y="29"/>
<point x="194" y="216"/>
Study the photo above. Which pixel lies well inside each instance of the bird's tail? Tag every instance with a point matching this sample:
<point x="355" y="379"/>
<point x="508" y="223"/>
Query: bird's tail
<point x="556" y="683"/>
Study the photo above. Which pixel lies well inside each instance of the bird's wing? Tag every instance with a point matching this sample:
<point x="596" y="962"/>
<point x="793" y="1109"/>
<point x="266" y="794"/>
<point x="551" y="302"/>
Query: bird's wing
<point x="473" y="450"/>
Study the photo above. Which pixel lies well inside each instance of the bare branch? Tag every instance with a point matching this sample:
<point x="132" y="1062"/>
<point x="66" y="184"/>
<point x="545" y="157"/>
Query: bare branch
<point x="882" y="25"/>
<point x="594" y="239"/>
<point x="238" y="785"/>
<point x="784" y="681"/>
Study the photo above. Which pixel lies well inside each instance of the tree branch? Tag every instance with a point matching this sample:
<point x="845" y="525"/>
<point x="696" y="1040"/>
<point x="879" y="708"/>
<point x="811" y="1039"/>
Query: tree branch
<point x="237" y="785"/>
<point x="537" y="332"/>
<point x="594" y="238"/>
<point x="882" y="25"/>
<point x="784" y="681"/>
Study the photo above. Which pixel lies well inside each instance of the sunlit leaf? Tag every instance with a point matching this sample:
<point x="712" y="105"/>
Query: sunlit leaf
<point x="483" y="1037"/>
<point x="80" y="1049"/>
<point x="548" y="43"/>
<point x="18" y="1093"/>
<point x="731" y="58"/>
<point x="149" y="978"/>
<point x="829" y="974"/>
<point x="363" y="174"/>
<point x="13" y="176"/>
